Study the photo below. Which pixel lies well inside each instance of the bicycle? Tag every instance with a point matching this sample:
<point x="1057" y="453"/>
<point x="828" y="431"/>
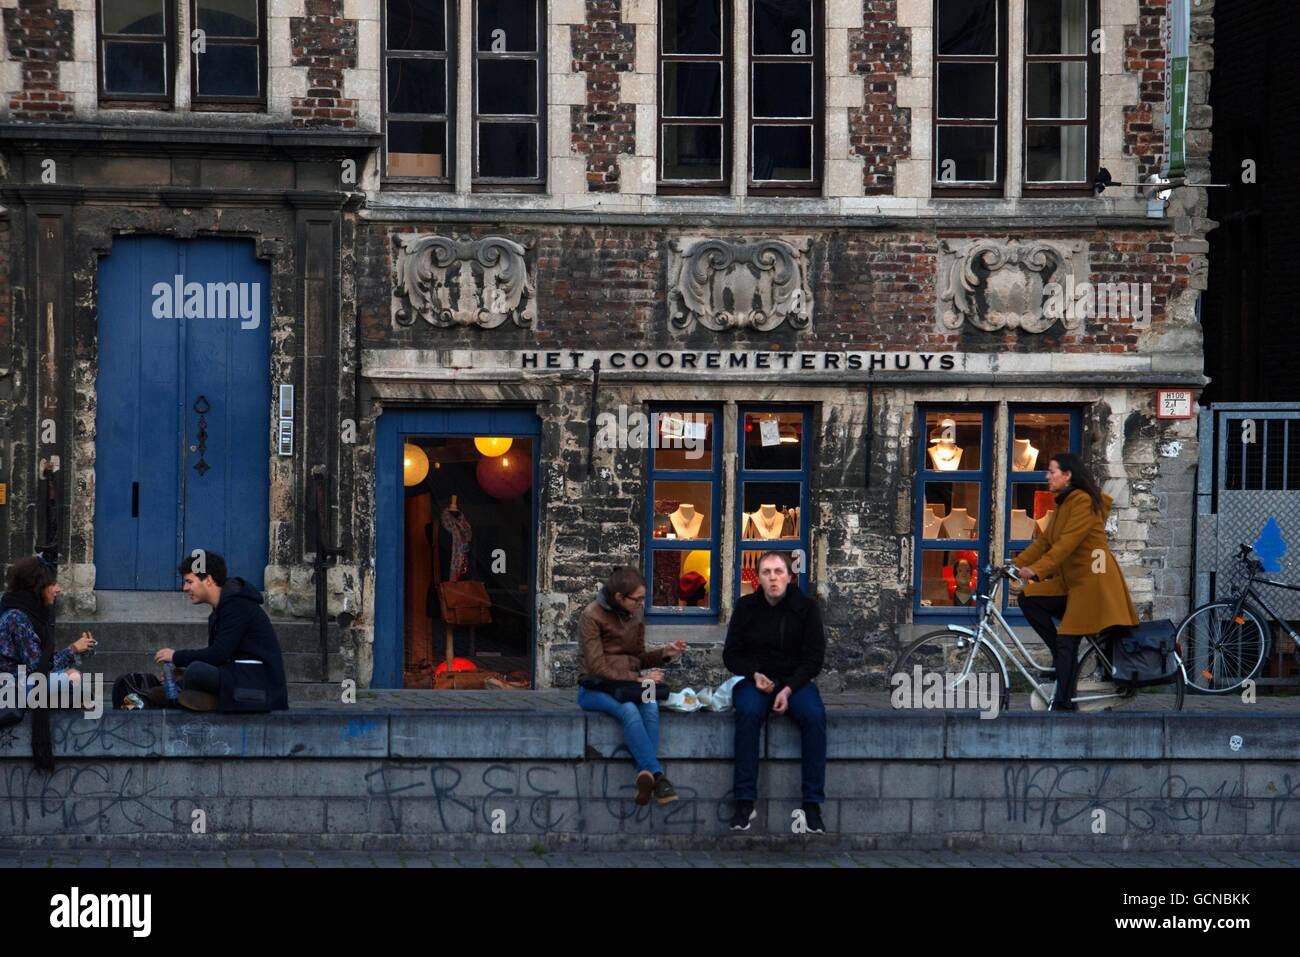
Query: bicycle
<point x="959" y="653"/>
<point x="1225" y="641"/>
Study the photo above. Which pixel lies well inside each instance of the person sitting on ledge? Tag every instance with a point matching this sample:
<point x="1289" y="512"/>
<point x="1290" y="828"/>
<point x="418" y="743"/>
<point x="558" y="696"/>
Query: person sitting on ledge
<point x="242" y="668"/>
<point x="775" y="640"/>
<point x="611" y="632"/>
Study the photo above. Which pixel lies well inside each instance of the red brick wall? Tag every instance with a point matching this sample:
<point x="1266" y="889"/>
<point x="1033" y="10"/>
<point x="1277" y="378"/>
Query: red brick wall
<point x="1144" y="55"/>
<point x="326" y="44"/>
<point x="880" y="132"/>
<point x="39" y="35"/>
<point x="603" y="127"/>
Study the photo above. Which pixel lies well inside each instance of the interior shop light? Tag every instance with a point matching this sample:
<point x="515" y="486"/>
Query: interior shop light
<point x="415" y="464"/>
<point x="493" y="446"/>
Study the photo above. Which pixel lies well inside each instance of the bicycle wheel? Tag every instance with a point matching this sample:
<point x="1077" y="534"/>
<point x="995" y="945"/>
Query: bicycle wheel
<point x="946" y="653"/>
<point x="1219" y="650"/>
<point x="1166" y="697"/>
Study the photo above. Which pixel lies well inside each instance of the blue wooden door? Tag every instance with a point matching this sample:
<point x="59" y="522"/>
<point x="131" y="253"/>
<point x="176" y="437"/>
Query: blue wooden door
<point x="184" y="402"/>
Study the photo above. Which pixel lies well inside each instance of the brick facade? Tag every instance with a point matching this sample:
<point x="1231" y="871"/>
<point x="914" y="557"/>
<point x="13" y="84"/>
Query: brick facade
<point x="38" y="35"/>
<point x="881" y="131"/>
<point x="604" y="127"/>
<point x="326" y="44"/>
<point x="1144" y="56"/>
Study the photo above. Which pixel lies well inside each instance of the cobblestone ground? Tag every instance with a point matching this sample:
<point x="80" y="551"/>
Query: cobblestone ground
<point x="842" y="859"/>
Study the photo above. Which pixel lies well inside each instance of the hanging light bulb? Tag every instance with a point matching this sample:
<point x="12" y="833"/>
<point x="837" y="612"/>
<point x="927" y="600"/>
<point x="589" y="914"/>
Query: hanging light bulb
<point x="492" y="446"/>
<point x="415" y="464"/>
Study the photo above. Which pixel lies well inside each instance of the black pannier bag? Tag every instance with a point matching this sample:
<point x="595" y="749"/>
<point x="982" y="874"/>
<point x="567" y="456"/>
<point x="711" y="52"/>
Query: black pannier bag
<point x="137" y="682"/>
<point x="1145" y="655"/>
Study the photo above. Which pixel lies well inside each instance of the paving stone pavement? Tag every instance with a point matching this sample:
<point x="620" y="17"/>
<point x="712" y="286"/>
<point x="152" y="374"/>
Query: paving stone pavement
<point x="450" y="859"/>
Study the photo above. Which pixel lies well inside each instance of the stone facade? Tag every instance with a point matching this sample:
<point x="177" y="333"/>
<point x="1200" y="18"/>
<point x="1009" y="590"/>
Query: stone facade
<point x="599" y="253"/>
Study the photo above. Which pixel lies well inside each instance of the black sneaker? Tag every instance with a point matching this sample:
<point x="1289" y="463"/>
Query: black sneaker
<point x="812" y="817"/>
<point x="744" y="814"/>
<point x="664" y="792"/>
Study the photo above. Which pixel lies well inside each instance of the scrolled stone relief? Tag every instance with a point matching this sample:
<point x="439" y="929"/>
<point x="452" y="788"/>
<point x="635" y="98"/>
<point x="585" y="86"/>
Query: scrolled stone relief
<point x="999" y="284"/>
<point x="452" y="282"/>
<point x="727" y="285"/>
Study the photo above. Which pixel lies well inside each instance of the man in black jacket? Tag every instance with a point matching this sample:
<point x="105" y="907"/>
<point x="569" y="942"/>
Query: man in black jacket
<point x="776" y="642"/>
<point x="241" y="669"/>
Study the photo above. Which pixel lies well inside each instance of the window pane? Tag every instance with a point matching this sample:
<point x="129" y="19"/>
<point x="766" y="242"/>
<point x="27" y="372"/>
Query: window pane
<point x="783" y="152"/>
<point x="134" y="68"/>
<point x="948" y="578"/>
<point x="692" y="26"/>
<point x="692" y="89"/>
<point x="952" y="510"/>
<point x="1056" y="154"/>
<point x="953" y="440"/>
<point x="683" y="509"/>
<point x="770" y="510"/>
<point x="1056" y="26"/>
<point x="683" y="440"/>
<point x="417" y="86"/>
<point x="228" y="70"/>
<point x="507" y="87"/>
<point x="968" y="91"/>
<point x="416" y="149"/>
<point x="1037" y="435"/>
<point x="507" y="150"/>
<point x="966" y="27"/>
<point x="692" y="152"/>
<point x="1057" y="90"/>
<point x="133" y="16"/>
<point x="782" y="27"/>
<point x="783" y="89"/>
<point x="749" y="568"/>
<point x="507" y="25"/>
<point x="971" y="150"/>
<point x="228" y="18"/>
<point x="773" y="440"/>
<point x="680" y="579"/>
<point x="1027" y="501"/>
<point x="417" y="25"/>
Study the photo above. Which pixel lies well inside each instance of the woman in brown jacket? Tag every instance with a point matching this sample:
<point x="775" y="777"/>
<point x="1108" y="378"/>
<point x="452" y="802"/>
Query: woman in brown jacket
<point x="611" y="633"/>
<point x="1071" y="574"/>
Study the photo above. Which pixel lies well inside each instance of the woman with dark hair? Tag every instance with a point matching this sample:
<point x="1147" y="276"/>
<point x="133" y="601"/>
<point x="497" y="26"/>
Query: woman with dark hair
<point x="1071" y="574"/>
<point x="27" y="639"/>
<point x="611" y="632"/>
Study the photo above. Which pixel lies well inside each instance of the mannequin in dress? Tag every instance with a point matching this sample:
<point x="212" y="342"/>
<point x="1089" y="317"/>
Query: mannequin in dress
<point x="1023" y="456"/>
<point x="945" y="454"/>
<point x="687" y="522"/>
<point x="767" y="521"/>
<point x="1022" y="526"/>
<point x="959" y="524"/>
<point x="962" y="592"/>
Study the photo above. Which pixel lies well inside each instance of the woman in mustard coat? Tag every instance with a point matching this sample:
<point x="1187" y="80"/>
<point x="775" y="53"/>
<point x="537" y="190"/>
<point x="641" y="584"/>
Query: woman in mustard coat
<point x="1071" y="575"/>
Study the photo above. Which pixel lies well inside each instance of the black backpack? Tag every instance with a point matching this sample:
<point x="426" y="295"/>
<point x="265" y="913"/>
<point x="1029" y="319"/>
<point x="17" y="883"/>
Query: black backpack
<point x="137" y="682"/>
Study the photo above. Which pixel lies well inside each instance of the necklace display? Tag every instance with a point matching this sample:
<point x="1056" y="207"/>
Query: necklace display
<point x="946" y="456"/>
<point x="686" y="521"/>
<point x="768" y="527"/>
<point x="1024" y="457"/>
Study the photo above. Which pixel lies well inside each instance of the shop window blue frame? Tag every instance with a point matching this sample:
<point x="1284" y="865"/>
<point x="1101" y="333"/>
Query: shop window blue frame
<point x="803" y="476"/>
<point x="713" y="543"/>
<point x="392" y="429"/>
<point x="983" y="475"/>
<point x="1036" y="477"/>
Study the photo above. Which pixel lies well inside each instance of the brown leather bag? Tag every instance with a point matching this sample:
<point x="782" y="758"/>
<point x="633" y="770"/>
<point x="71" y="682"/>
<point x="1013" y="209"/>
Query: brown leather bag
<point x="464" y="603"/>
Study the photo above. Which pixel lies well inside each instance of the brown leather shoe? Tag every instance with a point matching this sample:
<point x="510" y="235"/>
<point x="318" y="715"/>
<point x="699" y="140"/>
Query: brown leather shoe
<point x="645" y="783"/>
<point x="192" y="700"/>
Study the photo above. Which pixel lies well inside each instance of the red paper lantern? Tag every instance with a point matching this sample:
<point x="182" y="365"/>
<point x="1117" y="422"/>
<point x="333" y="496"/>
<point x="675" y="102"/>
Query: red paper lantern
<point x="457" y="664"/>
<point x="506" y="476"/>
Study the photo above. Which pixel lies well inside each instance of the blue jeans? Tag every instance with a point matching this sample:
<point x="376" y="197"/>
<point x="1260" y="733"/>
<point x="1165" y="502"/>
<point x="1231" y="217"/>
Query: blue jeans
<point x="806" y="708"/>
<point x="640" y="725"/>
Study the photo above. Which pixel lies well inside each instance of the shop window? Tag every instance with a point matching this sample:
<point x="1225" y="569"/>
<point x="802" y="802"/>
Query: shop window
<point x="228" y="70"/>
<point x="952" y="506"/>
<point x="136" y="40"/>
<point x="970" y="59"/>
<point x="773" y="491"/>
<point x="1062" y="74"/>
<point x="419" y="88"/>
<point x="1034" y="435"/>
<point x="509" y="87"/>
<point x="684" y="484"/>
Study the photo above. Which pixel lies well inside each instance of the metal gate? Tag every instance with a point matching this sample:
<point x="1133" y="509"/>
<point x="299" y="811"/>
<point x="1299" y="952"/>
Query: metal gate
<point x="1248" y="492"/>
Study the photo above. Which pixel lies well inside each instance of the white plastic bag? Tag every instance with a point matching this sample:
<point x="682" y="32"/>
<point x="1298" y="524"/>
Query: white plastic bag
<point x="719" y="699"/>
<point x="684" y="700"/>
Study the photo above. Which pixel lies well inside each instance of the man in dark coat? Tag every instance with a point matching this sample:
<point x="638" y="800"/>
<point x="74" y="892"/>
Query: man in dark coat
<point x="242" y="668"/>
<point x="775" y="640"/>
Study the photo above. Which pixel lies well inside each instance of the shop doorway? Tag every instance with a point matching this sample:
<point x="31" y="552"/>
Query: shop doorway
<point x="456" y="541"/>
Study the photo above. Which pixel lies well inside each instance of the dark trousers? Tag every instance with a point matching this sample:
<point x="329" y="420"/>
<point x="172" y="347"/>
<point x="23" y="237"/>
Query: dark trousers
<point x="806" y="708"/>
<point x="1040" y="611"/>
<point x="201" y="676"/>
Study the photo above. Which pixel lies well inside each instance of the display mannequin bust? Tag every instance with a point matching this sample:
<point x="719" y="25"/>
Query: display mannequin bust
<point x="959" y="524"/>
<point x="686" y="521"/>
<point x="767" y="521"/>
<point x="945" y="456"/>
<point x="933" y="522"/>
<point x="1022" y="526"/>
<point x="1023" y="456"/>
<point x="1045" y="521"/>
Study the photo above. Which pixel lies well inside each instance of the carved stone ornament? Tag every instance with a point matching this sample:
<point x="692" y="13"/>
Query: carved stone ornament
<point x="451" y="282"/>
<point x="998" y="284"/>
<point x="725" y="285"/>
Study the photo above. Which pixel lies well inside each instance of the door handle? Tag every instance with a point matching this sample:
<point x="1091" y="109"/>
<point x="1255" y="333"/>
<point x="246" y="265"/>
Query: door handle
<point x="135" y="499"/>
